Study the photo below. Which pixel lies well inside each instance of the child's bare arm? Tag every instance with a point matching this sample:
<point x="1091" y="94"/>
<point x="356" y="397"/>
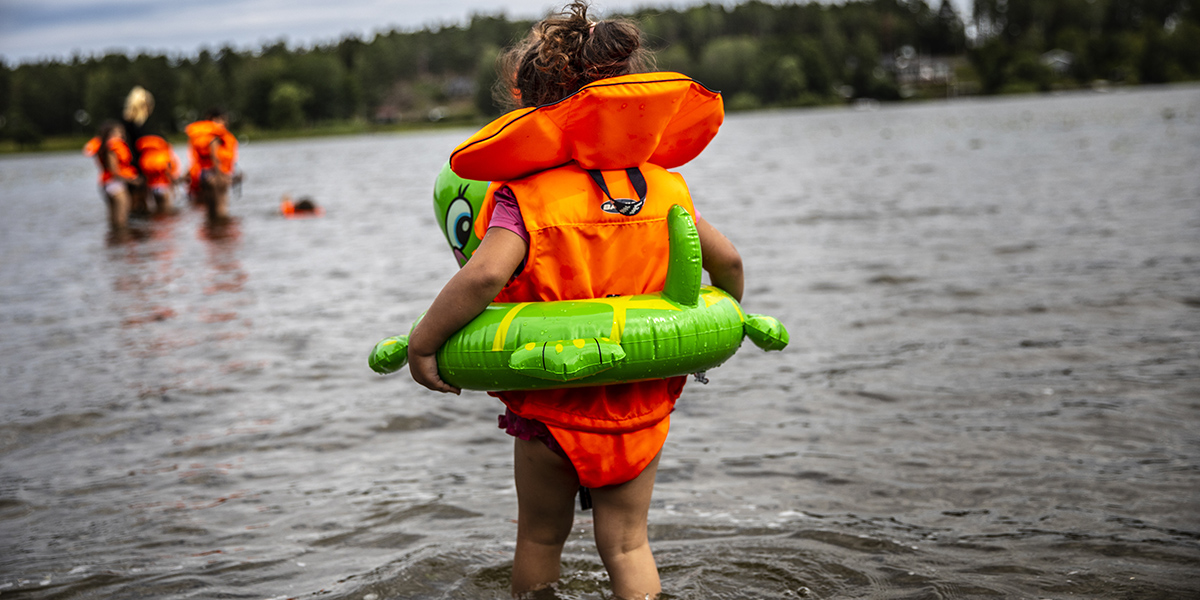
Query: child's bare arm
<point x="212" y="153"/>
<point x="110" y="163"/>
<point x="463" y="298"/>
<point x="721" y="259"/>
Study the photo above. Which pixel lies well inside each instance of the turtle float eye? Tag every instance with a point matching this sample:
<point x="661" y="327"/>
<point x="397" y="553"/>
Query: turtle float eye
<point x="459" y="220"/>
<point x="456" y="204"/>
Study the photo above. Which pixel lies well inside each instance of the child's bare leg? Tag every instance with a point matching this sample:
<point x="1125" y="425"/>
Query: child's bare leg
<point x="165" y="202"/>
<point x="139" y="195"/>
<point x="219" y="209"/>
<point x="546" y="486"/>
<point x="217" y="195"/>
<point x="621" y="513"/>
<point x="118" y="209"/>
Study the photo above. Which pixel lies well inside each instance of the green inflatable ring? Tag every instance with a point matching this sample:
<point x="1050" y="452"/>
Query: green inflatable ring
<point x="685" y="328"/>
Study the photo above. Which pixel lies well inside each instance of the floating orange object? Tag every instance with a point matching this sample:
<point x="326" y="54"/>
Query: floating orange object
<point x="299" y="210"/>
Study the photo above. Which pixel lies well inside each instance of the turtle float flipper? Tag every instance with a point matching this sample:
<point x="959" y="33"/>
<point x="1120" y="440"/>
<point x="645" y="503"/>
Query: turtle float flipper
<point x="389" y="355"/>
<point x="566" y="360"/>
<point x="766" y="332"/>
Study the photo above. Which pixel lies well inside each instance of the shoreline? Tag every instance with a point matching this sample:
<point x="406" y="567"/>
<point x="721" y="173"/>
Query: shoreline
<point x="351" y="128"/>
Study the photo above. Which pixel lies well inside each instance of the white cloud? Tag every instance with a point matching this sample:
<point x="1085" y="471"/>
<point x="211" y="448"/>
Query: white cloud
<point x="32" y="29"/>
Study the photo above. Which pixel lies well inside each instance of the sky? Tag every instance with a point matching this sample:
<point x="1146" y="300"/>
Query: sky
<point x="31" y="30"/>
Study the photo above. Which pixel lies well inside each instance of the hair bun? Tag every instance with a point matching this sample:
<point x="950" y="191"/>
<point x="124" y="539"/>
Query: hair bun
<point x="565" y="52"/>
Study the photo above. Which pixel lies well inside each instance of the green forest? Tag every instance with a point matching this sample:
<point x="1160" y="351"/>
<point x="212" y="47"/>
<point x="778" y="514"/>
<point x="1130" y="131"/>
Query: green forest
<point x="758" y="54"/>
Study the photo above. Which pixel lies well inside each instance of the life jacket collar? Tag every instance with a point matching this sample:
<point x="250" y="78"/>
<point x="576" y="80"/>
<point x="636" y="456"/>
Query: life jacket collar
<point x="662" y="118"/>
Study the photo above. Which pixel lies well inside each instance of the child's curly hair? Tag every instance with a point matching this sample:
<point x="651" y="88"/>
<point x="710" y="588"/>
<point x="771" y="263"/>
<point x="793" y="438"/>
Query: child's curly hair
<point x="565" y="52"/>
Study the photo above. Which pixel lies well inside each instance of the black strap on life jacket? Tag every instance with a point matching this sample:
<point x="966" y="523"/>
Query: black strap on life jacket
<point x="635" y="177"/>
<point x="585" y="498"/>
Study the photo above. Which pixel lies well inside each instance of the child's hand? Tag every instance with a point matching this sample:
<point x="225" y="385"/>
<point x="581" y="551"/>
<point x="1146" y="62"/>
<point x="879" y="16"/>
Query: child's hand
<point x="424" y="370"/>
<point x="466" y="295"/>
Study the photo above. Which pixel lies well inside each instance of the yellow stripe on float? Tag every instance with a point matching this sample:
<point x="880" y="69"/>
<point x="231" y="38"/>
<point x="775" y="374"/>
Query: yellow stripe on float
<point x="618" y="304"/>
<point x="502" y="331"/>
<point x="711" y="297"/>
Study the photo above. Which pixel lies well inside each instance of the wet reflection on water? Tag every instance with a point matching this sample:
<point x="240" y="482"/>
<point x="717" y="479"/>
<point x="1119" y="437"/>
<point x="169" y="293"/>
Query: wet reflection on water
<point x="991" y="388"/>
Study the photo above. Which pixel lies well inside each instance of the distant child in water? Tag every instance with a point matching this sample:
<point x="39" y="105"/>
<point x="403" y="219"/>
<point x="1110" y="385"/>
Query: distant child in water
<point x="117" y="172"/>
<point x="213" y="152"/>
<point x="161" y="170"/>
<point x="304" y="207"/>
<point x="578" y="210"/>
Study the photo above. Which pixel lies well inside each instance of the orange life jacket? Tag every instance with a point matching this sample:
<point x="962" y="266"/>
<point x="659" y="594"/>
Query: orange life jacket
<point x="577" y="249"/>
<point x="160" y="165"/>
<point x="119" y="151"/>
<point x="200" y="136"/>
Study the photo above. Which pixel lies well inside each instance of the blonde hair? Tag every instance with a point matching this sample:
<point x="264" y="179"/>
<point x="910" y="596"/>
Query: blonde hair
<point x="565" y="52"/>
<point x="138" y="105"/>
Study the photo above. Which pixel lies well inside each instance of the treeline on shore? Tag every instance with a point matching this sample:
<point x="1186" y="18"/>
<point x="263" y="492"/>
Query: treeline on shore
<point x="758" y="54"/>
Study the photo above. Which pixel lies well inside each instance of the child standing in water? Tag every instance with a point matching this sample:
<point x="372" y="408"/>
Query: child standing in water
<point x="577" y="209"/>
<point x="117" y="171"/>
<point x="213" y="152"/>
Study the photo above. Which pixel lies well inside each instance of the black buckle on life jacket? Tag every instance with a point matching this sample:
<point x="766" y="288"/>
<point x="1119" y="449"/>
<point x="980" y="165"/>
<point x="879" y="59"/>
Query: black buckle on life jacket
<point x="622" y="206"/>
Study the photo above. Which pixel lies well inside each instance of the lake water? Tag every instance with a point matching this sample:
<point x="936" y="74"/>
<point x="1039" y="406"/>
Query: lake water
<point x="992" y="389"/>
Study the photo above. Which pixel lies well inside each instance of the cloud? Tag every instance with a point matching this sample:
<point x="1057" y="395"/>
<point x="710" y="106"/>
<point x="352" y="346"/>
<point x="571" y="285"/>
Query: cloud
<point x="34" y="29"/>
<point x="57" y="28"/>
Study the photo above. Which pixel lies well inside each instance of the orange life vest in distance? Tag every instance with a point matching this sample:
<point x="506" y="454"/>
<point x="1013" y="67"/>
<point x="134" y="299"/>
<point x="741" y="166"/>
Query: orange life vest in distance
<point x="201" y="135"/>
<point x="577" y="250"/>
<point x="160" y="165"/>
<point x="119" y="150"/>
<point x="653" y="121"/>
<point x="288" y="209"/>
